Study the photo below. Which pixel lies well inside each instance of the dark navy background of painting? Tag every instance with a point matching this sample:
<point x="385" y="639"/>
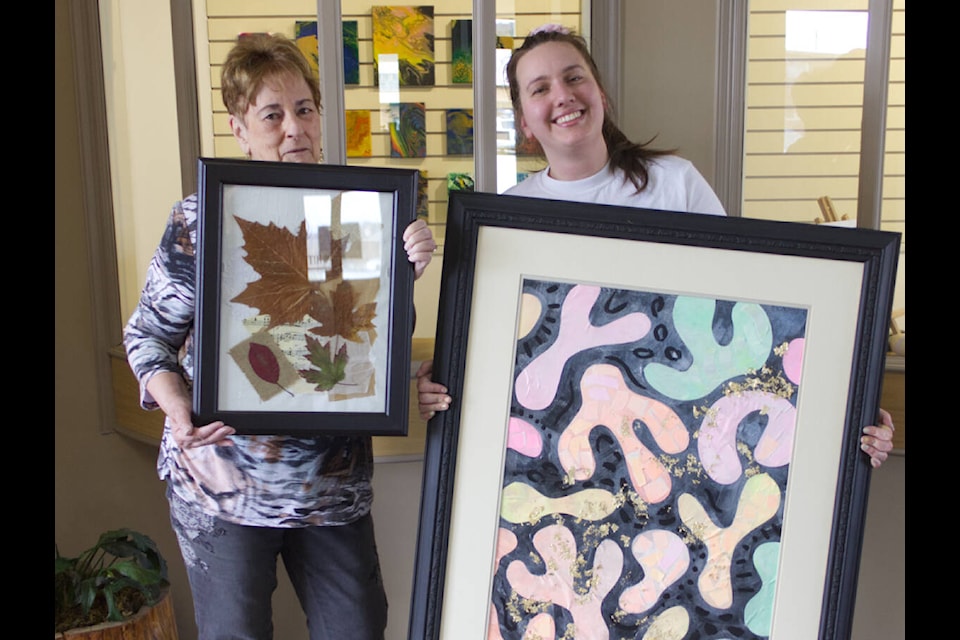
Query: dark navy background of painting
<point x="546" y="475"/>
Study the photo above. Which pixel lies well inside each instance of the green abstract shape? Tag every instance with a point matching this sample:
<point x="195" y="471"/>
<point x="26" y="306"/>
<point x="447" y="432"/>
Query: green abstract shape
<point x="758" y="614"/>
<point x="713" y="364"/>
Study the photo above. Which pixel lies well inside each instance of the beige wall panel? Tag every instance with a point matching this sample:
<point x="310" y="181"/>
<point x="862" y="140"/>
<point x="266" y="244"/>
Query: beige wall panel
<point x="898" y="69"/>
<point x="894" y="187"/>
<point x="259" y="7"/>
<point x="226" y="147"/>
<point x="763" y="25"/>
<point x="895" y="140"/>
<point x="803" y="119"/>
<point x="897" y="44"/>
<point x="899" y="17"/>
<point x="801" y="165"/>
<point x="227" y="29"/>
<point x="799" y="188"/>
<point x="897" y="94"/>
<point x="896" y="118"/>
<point x="806" y="71"/>
<point x="783" y="95"/>
<point x="894" y="164"/>
<point x="221" y="123"/>
<point x="796" y="211"/>
<point x="218" y="53"/>
<point x="894" y="210"/>
<point x="826" y="141"/>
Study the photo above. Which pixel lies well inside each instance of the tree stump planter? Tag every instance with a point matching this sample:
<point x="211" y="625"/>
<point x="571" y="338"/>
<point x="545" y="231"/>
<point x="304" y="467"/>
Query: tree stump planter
<point x="150" y="623"/>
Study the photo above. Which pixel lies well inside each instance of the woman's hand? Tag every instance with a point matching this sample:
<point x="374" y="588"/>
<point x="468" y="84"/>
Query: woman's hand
<point x="878" y="440"/>
<point x="432" y="395"/>
<point x="419" y="244"/>
<point x="188" y="436"/>
<point x="169" y="392"/>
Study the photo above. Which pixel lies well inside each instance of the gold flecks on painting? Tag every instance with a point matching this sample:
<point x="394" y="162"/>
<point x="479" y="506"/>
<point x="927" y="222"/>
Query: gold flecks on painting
<point x="781" y="349"/>
<point x="691" y="535"/>
<point x="765" y="380"/>
<point x="569" y="632"/>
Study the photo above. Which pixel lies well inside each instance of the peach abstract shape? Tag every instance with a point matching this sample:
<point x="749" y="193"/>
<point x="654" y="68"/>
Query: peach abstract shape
<point x="713" y="364"/>
<point x="759" y="502"/>
<point x="717" y="444"/>
<point x="557" y="547"/>
<point x="537" y="384"/>
<point x="524" y="438"/>
<point x="672" y="624"/>
<point x="522" y="503"/>
<point x="542" y="627"/>
<point x="530" y="308"/>
<point x="793" y="360"/>
<point x="608" y="402"/>
<point x="664" y="559"/>
<point x="506" y="542"/>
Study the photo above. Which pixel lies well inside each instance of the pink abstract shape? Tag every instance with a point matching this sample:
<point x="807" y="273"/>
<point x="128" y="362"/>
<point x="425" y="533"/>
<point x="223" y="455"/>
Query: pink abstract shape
<point x="793" y="360"/>
<point x="524" y="438"/>
<point x="664" y="559"/>
<point x="608" y="402"/>
<point x="758" y="503"/>
<point x="717" y="444"/>
<point x="537" y="384"/>
<point x="558" y="549"/>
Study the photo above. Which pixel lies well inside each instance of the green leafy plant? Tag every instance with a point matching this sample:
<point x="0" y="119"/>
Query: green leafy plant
<point x="108" y="582"/>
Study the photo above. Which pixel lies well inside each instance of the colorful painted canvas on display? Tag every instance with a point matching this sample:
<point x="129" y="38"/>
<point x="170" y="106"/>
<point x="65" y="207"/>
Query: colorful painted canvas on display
<point x="459" y="132"/>
<point x="461" y="38"/>
<point x="460" y="181"/>
<point x="408" y="131"/>
<point x="358" y="134"/>
<point x="351" y="53"/>
<point x="423" y="195"/>
<point x="408" y="33"/>
<point x="305" y="35"/>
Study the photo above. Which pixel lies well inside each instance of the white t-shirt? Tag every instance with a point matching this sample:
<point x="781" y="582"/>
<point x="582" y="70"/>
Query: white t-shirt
<point x="674" y="185"/>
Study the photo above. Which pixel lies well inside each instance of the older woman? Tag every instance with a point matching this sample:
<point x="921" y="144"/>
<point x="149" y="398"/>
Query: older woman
<point x="237" y="502"/>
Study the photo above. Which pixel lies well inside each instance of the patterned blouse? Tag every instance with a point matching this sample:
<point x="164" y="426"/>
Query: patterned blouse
<point x="268" y="481"/>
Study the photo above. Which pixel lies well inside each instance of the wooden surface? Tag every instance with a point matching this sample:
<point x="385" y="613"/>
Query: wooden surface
<point x="150" y="623"/>
<point x="147" y="426"/>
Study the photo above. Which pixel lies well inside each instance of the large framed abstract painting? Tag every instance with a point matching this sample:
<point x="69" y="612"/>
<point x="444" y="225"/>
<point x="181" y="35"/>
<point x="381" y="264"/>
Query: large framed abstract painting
<point x="304" y="307"/>
<point x="655" y="425"/>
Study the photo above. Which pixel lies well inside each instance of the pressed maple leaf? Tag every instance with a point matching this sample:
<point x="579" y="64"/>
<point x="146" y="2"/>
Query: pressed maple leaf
<point x="342" y="312"/>
<point x="265" y="364"/>
<point x="284" y="290"/>
<point x="327" y="371"/>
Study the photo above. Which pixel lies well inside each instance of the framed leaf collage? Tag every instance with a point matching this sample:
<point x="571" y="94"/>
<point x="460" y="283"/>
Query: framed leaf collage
<point x="304" y="297"/>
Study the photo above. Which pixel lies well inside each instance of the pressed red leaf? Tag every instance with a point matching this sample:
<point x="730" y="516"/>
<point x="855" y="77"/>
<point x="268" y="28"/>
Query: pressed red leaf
<point x="264" y="363"/>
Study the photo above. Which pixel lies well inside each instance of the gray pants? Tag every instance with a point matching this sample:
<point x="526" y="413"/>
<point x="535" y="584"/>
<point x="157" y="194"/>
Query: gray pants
<point x="233" y="573"/>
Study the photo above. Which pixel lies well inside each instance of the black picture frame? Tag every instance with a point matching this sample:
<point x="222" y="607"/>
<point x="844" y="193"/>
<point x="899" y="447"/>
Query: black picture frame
<point x="839" y="280"/>
<point x="304" y="307"/>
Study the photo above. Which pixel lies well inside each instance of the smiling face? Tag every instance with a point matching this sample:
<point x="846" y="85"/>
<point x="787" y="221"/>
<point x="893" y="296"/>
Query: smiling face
<point x="561" y="104"/>
<point x="282" y="123"/>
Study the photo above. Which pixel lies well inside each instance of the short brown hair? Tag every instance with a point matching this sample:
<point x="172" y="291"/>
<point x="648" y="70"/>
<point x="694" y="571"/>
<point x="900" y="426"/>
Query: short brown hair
<point x="255" y="57"/>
